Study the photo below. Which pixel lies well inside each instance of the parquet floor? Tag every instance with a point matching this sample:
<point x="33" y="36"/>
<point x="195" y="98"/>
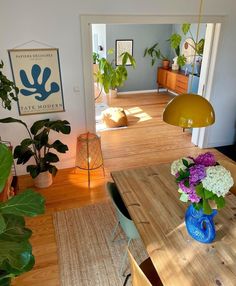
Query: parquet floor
<point x="147" y="140"/>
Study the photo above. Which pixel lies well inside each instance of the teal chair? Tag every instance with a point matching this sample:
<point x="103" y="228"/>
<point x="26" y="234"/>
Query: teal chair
<point x="123" y="219"/>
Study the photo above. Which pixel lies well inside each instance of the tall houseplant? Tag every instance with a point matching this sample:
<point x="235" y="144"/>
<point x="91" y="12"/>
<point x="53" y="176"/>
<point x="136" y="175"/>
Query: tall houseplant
<point x="38" y="146"/>
<point x="8" y="90"/>
<point x="155" y="53"/>
<point x="110" y="76"/>
<point x="15" y="249"/>
<point x="176" y="39"/>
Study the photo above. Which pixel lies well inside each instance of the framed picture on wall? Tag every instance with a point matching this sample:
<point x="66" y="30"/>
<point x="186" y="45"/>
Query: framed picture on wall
<point x="36" y="72"/>
<point x="123" y="46"/>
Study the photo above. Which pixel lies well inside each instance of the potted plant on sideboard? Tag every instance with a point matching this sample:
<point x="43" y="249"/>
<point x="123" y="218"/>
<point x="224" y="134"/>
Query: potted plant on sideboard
<point x="109" y="76"/>
<point x="38" y="147"/>
<point x="155" y="53"/>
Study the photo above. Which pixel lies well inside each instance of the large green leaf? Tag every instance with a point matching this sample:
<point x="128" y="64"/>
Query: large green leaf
<point x="28" y="203"/>
<point x="175" y="40"/>
<point x="59" y="146"/>
<point x="6" y="161"/>
<point x="51" y="157"/>
<point x="12" y="120"/>
<point x="15" y="254"/>
<point x="2" y="224"/>
<point x="186" y="28"/>
<point x="5" y="281"/>
<point x="38" y="125"/>
<point x="41" y="139"/>
<point x="62" y="126"/>
<point x="53" y="170"/>
<point x="34" y="170"/>
<point x="27" y="261"/>
<point x="15" y="229"/>
<point x="22" y="154"/>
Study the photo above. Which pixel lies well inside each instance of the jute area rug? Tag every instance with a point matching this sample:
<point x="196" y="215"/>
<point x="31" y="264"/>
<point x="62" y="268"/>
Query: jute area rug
<point x="87" y="256"/>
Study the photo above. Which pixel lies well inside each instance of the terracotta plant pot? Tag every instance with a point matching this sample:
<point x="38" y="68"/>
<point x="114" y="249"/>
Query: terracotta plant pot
<point x="165" y="64"/>
<point x="43" y="180"/>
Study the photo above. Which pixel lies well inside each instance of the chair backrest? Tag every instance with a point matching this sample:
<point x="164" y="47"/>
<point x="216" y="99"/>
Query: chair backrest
<point x="138" y="277"/>
<point x="122" y="212"/>
<point x="232" y="168"/>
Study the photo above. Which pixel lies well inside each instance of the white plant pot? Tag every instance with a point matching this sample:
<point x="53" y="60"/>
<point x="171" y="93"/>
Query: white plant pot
<point x="43" y="180"/>
<point x="113" y="93"/>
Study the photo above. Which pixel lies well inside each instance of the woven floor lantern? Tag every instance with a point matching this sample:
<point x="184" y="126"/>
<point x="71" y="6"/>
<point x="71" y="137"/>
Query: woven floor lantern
<point x="89" y="153"/>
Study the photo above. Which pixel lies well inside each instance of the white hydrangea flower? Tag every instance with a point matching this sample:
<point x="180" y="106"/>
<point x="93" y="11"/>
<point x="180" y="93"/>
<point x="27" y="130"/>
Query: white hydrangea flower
<point x="218" y="180"/>
<point x="177" y="165"/>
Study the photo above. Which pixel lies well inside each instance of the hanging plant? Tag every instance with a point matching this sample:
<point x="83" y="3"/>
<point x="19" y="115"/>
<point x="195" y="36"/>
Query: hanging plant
<point x="8" y="90"/>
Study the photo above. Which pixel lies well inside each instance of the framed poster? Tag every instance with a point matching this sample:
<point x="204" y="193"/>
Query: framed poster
<point x="36" y="72"/>
<point x="123" y="46"/>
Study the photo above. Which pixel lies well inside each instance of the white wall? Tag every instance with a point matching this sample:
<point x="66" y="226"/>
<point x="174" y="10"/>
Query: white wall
<point x="57" y="23"/>
<point x="99" y="32"/>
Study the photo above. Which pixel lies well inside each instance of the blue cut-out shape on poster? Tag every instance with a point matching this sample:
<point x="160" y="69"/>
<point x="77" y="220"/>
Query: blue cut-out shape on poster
<point x="36" y="87"/>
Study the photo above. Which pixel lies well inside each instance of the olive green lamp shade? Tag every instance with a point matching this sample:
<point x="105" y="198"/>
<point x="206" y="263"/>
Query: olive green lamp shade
<point x="189" y="110"/>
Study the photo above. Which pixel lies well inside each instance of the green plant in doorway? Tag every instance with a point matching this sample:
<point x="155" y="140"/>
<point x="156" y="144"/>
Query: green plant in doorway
<point x="155" y="54"/>
<point x="110" y="76"/>
<point x="8" y="90"/>
<point x="16" y="255"/>
<point x="95" y="58"/>
<point x="38" y="146"/>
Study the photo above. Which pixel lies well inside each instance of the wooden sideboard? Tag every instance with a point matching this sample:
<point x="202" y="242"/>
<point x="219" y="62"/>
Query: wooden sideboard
<point x="175" y="81"/>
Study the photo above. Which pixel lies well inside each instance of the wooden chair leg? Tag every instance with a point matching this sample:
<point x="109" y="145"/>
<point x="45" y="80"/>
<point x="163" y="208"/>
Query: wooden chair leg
<point x="122" y="270"/>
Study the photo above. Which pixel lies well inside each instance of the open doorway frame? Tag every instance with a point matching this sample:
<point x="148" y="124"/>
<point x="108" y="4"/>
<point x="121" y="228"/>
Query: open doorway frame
<point x="200" y="135"/>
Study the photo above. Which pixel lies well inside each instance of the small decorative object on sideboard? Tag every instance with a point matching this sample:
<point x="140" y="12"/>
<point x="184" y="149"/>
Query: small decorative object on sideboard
<point x="37" y="146"/>
<point x="203" y="182"/>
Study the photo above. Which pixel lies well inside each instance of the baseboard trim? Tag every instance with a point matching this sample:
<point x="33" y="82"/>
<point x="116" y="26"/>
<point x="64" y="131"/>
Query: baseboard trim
<point x="137" y="91"/>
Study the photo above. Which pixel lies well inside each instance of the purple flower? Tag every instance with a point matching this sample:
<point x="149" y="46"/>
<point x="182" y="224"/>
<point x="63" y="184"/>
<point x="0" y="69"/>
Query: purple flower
<point x="192" y="196"/>
<point x="187" y="190"/>
<point x="197" y="173"/>
<point x="207" y="159"/>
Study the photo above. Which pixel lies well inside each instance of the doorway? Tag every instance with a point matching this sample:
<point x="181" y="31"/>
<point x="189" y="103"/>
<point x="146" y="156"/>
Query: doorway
<point x="199" y="137"/>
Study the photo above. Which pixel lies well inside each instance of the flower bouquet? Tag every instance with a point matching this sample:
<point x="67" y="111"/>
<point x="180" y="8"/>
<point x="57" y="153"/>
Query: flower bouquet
<point x="202" y="180"/>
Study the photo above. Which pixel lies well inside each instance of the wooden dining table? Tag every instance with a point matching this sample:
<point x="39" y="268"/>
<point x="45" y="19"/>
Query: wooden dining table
<point x="151" y="196"/>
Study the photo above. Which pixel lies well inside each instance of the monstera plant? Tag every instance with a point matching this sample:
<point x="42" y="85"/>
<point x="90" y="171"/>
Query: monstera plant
<point x="110" y="76"/>
<point x="15" y="249"/>
<point x="39" y="147"/>
<point x="8" y="90"/>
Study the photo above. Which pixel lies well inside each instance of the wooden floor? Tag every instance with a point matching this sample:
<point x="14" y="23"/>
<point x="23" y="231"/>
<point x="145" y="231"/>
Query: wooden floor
<point x="147" y="140"/>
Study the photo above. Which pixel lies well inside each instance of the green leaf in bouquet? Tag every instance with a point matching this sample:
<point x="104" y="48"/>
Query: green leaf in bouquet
<point x="185" y="162"/>
<point x="206" y="207"/>
<point x="207" y="194"/>
<point x="200" y="191"/>
<point x="28" y="203"/>
<point x="198" y="206"/>
<point x="220" y="201"/>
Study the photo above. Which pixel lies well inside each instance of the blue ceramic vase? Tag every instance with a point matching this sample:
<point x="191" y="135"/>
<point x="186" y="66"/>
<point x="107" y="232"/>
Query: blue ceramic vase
<point x="199" y="225"/>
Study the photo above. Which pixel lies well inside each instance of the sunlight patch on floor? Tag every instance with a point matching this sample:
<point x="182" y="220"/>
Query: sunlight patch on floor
<point x="138" y="112"/>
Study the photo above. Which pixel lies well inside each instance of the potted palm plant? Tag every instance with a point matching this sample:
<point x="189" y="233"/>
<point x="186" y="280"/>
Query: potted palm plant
<point x="109" y="76"/>
<point x="38" y="147"/>
<point x="155" y="53"/>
